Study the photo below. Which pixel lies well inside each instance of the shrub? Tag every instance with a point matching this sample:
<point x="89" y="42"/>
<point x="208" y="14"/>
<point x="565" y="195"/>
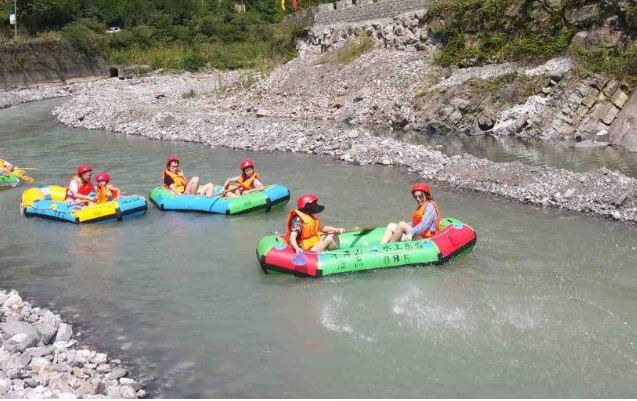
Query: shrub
<point x="194" y="61"/>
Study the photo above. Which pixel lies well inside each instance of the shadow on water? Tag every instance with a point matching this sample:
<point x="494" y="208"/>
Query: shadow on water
<point x="544" y="306"/>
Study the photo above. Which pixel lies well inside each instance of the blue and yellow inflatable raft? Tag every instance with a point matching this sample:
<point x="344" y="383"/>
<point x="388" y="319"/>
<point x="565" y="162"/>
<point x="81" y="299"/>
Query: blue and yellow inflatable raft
<point x="47" y="202"/>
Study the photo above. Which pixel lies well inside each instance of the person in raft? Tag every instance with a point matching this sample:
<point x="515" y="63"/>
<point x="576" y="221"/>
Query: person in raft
<point x="5" y="167"/>
<point x="106" y="192"/>
<point x="424" y="222"/>
<point x="177" y="183"/>
<point x="80" y="189"/>
<point x="248" y="181"/>
<point x="304" y="230"/>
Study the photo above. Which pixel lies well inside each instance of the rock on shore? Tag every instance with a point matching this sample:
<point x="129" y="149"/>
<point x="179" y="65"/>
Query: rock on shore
<point x="39" y="358"/>
<point x="131" y="107"/>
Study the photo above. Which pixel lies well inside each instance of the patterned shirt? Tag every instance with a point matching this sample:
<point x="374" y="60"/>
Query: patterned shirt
<point x="428" y="221"/>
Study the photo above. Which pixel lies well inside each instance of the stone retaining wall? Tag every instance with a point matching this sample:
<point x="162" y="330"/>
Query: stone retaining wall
<point x="359" y="10"/>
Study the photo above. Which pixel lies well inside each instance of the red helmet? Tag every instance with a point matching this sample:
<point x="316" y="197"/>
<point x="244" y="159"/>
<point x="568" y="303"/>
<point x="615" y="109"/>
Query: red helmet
<point x="305" y="199"/>
<point x="421" y="187"/>
<point x="246" y="163"/>
<point x="172" y="159"/>
<point x="83" y="169"/>
<point x="102" y="177"/>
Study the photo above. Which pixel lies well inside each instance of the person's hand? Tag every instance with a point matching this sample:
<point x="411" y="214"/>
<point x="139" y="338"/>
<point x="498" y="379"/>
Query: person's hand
<point x="407" y="237"/>
<point x="340" y="230"/>
<point x="299" y="251"/>
<point x="93" y="198"/>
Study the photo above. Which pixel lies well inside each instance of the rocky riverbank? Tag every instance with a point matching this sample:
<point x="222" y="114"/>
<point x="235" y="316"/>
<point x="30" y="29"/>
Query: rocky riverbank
<point x="155" y="107"/>
<point x="40" y="357"/>
<point x="15" y="97"/>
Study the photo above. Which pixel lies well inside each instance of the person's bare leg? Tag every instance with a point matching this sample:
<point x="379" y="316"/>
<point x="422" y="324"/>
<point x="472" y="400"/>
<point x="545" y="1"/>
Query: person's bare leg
<point x="389" y="231"/>
<point x="400" y="230"/>
<point x="328" y="241"/>
<point x="191" y="188"/>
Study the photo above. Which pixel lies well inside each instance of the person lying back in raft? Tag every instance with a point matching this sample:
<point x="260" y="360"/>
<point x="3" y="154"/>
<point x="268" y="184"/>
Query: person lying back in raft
<point x="80" y="189"/>
<point x="177" y="183"/>
<point x="304" y="231"/>
<point x="248" y="181"/>
<point x="106" y="192"/>
<point x="424" y="222"/>
<point x="5" y="167"/>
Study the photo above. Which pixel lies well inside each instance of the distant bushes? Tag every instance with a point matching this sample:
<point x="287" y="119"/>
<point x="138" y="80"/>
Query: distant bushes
<point x="351" y="50"/>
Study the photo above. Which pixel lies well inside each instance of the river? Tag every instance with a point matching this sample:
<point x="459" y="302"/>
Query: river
<point x="544" y="306"/>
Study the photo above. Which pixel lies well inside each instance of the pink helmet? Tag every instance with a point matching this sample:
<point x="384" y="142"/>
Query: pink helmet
<point x="102" y="177"/>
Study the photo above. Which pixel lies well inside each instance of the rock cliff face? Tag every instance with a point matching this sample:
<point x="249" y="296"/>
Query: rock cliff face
<point x="556" y="101"/>
<point x="27" y="63"/>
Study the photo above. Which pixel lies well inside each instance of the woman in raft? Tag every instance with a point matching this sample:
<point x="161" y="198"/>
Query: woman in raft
<point x="425" y="220"/>
<point x="248" y="181"/>
<point x="177" y="183"/>
<point x="304" y="229"/>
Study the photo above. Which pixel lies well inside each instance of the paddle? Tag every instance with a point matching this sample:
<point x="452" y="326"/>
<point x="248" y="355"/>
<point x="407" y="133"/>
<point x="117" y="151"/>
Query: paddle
<point x="27" y="168"/>
<point x="22" y="176"/>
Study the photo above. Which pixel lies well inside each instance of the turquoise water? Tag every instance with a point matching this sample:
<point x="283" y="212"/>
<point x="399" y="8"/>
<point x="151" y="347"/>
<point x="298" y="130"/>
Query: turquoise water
<point x="544" y="306"/>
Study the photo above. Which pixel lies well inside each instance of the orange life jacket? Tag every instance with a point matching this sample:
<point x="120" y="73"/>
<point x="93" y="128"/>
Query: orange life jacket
<point x="310" y="227"/>
<point x="247" y="184"/>
<point x="180" y="183"/>
<point x="416" y="218"/>
<point x="84" y="188"/>
<point x="102" y="194"/>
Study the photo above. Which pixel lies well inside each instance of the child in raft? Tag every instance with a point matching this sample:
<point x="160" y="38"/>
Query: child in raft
<point x="248" y="181"/>
<point x="105" y="191"/>
<point x="425" y="220"/>
<point x="177" y="183"/>
<point x="304" y="230"/>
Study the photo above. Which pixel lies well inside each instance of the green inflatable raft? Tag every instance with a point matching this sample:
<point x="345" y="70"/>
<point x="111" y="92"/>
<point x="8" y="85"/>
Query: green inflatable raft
<point x="361" y="251"/>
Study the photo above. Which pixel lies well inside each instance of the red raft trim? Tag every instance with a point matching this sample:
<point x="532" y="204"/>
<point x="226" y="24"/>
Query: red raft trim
<point x="452" y="238"/>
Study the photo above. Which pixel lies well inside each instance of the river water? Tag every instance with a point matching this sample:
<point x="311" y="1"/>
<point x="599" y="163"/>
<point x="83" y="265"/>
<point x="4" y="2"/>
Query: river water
<point x="544" y="306"/>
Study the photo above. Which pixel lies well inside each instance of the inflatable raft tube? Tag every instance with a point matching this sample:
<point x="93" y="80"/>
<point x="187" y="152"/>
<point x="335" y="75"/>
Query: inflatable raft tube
<point x="271" y="197"/>
<point x="361" y="251"/>
<point x="47" y="202"/>
<point x="11" y="181"/>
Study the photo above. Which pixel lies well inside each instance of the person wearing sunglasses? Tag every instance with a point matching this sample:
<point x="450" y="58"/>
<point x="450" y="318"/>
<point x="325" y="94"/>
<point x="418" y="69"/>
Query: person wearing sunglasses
<point x="424" y="222"/>
<point x="177" y="183"/>
<point x="304" y="229"/>
<point x="80" y="189"/>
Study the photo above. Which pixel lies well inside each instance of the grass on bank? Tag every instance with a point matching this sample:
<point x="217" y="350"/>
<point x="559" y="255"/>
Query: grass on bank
<point x="350" y="50"/>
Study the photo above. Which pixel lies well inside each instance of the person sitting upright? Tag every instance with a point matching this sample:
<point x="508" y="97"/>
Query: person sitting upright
<point x="105" y="190"/>
<point x="177" y="183"/>
<point x="425" y="220"/>
<point x="248" y="181"/>
<point x="80" y="188"/>
<point x="304" y="230"/>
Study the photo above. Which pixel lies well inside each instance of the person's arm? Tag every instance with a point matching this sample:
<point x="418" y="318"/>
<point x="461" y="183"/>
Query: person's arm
<point x="427" y="220"/>
<point x="74" y="188"/>
<point x="332" y="230"/>
<point x="113" y="188"/>
<point x="293" y="236"/>
<point x="229" y="181"/>
<point x="171" y="185"/>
